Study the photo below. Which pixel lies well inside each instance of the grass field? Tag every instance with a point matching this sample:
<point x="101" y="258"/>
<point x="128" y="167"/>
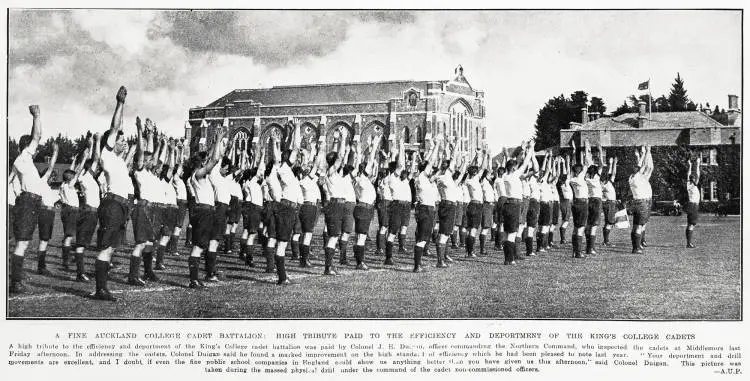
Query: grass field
<point x="668" y="282"/>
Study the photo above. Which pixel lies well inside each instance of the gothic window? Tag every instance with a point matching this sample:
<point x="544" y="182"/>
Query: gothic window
<point x="407" y="135"/>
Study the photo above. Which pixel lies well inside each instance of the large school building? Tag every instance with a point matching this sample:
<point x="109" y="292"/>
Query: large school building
<point x="408" y="109"/>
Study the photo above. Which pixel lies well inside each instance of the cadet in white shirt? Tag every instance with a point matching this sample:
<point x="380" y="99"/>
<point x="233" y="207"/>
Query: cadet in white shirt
<point x="113" y="209"/>
<point x="383" y="204"/>
<point x="311" y="198"/>
<point x="338" y="222"/>
<point x="47" y="214"/>
<point x="545" y="203"/>
<point x="449" y="196"/>
<point x="171" y="209"/>
<point x="488" y="207"/>
<point x="531" y="179"/>
<point x="291" y="196"/>
<point x="640" y="187"/>
<point x="499" y="186"/>
<point x="365" y="193"/>
<point x="252" y="205"/>
<point x="178" y="183"/>
<point x="580" y="205"/>
<point x="28" y="202"/>
<point x="69" y="198"/>
<point x="566" y="197"/>
<point x="427" y="197"/>
<point x="514" y="194"/>
<point x="202" y="216"/>
<point x="87" y="213"/>
<point x="594" y="185"/>
<point x="272" y="196"/>
<point x="609" y="200"/>
<point x="694" y="199"/>
<point x="400" y="206"/>
<point x="557" y="163"/>
<point x="474" y="211"/>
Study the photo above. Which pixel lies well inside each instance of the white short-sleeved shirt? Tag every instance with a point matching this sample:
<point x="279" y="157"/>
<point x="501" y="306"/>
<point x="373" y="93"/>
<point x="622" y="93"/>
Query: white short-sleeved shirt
<point x="118" y="181"/>
<point x="170" y="195"/>
<point x="27" y="174"/>
<point x="640" y="187"/>
<point x="426" y="192"/>
<point x="49" y="196"/>
<point x="179" y="187"/>
<point x="290" y="188"/>
<point x="400" y="189"/>
<point x="553" y="191"/>
<point x="222" y="192"/>
<point x="595" y="186"/>
<point x="149" y="186"/>
<point x="489" y="191"/>
<point x="545" y="192"/>
<point x="447" y="187"/>
<point x="310" y="188"/>
<point x="69" y="194"/>
<point x="384" y="189"/>
<point x="90" y="188"/>
<point x="253" y="192"/>
<point x="579" y="187"/>
<point x="203" y="190"/>
<point x="465" y="196"/>
<point x="500" y="187"/>
<point x="535" y="190"/>
<point x="694" y="193"/>
<point x="474" y="188"/>
<point x="513" y="185"/>
<point x="364" y="189"/>
<point x="235" y="189"/>
<point x="566" y="192"/>
<point x="608" y="192"/>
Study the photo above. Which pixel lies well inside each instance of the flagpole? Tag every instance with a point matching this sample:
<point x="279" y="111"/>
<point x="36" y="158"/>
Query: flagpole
<point x="649" y="99"/>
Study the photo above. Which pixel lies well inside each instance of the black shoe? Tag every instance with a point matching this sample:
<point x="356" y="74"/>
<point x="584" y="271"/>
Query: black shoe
<point x="418" y="269"/>
<point x="441" y="265"/>
<point x="388" y="262"/>
<point x="448" y="259"/>
<point x="531" y="255"/>
<point x="643" y="244"/>
<point x="136" y="282"/>
<point x="330" y="271"/>
<point x="509" y="263"/>
<point x="159" y="267"/>
<point x="196" y="284"/>
<point x="379" y="253"/>
<point x="454" y="246"/>
<point x="579" y="255"/>
<point x="284" y="282"/>
<point x="690" y="246"/>
<point x="82" y="278"/>
<point x="43" y="271"/>
<point x="362" y="266"/>
<point x="637" y="251"/>
<point x="212" y="278"/>
<point x="471" y="255"/>
<point x="151" y="276"/>
<point x="592" y="252"/>
<point x="103" y="294"/>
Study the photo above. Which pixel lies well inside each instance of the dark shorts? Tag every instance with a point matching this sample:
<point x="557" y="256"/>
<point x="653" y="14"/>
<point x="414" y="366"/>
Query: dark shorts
<point x="202" y="220"/>
<point x="182" y="208"/>
<point x="11" y="214"/>
<point x="308" y="217"/>
<point x="143" y="228"/>
<point x="425" y="217"/>
<point x="565" y="211"/>
<point x="580" y="210"/>
<point x="382" y="206"/>
<point x="170" y="219"/>
<point x="269" y="219"/>
<point x="460" y="215"/>
<point x="339" y="217"/>
<point x="26" y="216"/>
<point x="398" y="216"/>
<point x="524" y="209"/>
<point x="287" y="213"/>
<point x="474" y="212"/>
<point x="446" y="217"/>
<point x="488" y="215"/>
<point x="46" y="221"/>
<point x="362" y="217"/>
<point x="532" y="213"/>
<point x="220" y="220"/>
<point x="69" y="218"/>
<point x="85" y="226"/>
<point x="511" y="215"/>
<point x="692" y="213"/>
<point x="555" y="213"/>
<point x="609" y="208"/>
<point x="545" y="213"/>
<point x="251" y="216"/>
<point x="595" y="211"/>
<point x="499" y="210"/>
<point x="112" y="213"/>
<point x="641" y="211"/>
<point x="235" y="210"/>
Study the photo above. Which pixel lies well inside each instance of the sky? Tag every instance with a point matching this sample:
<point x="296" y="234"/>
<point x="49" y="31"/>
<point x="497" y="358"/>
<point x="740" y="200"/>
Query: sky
<point x="71" y="62"/>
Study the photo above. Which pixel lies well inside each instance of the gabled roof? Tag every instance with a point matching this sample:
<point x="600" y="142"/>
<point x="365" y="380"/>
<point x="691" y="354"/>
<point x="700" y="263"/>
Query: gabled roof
<point x="325" y="93"/>
<point x="677" y="119"/>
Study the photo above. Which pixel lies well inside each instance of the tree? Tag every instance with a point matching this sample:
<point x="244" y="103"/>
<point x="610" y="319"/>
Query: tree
<point x="678" y="99"/>
<point x="624" y="108"/>
<point x="597" y="105"/>
<point x="557" y="114"/>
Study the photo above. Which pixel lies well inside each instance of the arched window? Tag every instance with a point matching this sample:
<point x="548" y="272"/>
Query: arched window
<point x="407" y="135"/>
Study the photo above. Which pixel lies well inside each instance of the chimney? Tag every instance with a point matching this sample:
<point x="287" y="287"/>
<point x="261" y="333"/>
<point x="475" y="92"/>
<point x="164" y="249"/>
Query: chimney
<point x="733" y="112"/>
<point x="584" y="115"/>
<point x="642" y="114"/>
<point x="593" y="116"/>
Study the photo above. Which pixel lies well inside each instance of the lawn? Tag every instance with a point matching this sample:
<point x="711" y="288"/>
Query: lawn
<point x="668" y="282"/>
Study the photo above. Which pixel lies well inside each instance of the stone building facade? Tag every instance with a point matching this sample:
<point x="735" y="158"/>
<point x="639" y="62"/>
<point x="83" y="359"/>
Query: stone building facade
<point x="408" y="109"/>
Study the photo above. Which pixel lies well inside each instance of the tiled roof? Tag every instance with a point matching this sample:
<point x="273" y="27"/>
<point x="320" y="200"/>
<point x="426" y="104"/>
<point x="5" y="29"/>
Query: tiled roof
<point x="324" y="93"/>
<point x="679" y="119"/>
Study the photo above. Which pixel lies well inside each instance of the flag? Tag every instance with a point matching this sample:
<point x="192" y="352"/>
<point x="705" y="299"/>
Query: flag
<point x="643" y="85"/>
<point x="621" y="219"/>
